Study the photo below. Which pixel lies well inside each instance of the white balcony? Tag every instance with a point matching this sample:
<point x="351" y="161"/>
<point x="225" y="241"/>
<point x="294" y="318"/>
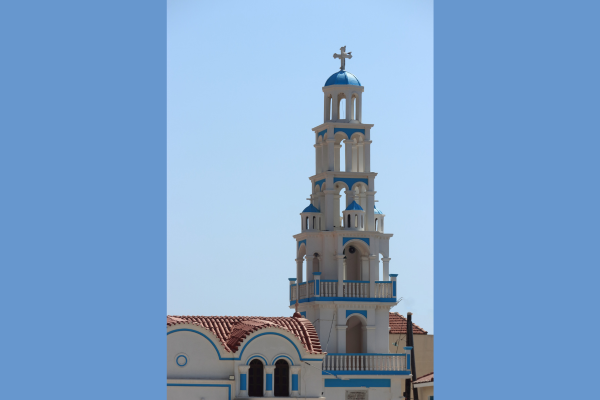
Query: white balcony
<point x="383" y="363"/>
<point x="350" y="289"/>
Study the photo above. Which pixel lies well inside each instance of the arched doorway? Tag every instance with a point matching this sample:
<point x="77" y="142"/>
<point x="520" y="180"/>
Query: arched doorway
<point x="282" y="378"/>
<point x="256" y="379"/>
<point x="354" y="335"/>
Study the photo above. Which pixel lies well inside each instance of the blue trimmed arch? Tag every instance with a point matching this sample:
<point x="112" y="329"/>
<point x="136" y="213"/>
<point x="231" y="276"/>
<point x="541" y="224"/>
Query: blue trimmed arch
<point x="253" y="356"/>
<point x="282" y="356"/>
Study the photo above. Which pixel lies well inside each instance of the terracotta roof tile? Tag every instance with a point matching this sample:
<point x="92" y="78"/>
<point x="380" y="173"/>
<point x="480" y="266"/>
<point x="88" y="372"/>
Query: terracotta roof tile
<point x="398" y="325"/>
<point x="425" y="378"/>
<point x="231" y="331"/>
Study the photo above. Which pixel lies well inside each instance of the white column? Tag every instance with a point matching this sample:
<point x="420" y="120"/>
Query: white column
<point x="309" y="268"/>
<point x="354" y="157"/>
<point x="359" y="108"/>
<point x="365" y="271"/>
<point x="349" y="146"/>
<point x="370" y="211"/>
<point x="329" y="209"/>
<point x="371" y="339"/>
<point x="330" y="155"/>
<point x="386" y="268"/>
<point x="348" y="106"/>
<point x="299" y="271"/>
<point x="367" y="155"/>
<point x="269" y="370"/>
<point x="349" y="197"/>
<point x="335" y="103"/>
<point x="337" y="157"/>
<point x="341" y="338"/>
<point x="361" y="157"/>
<point x="340" y="284"/>
<point x="326" y="109"/>
<point x="373" y="272"/>
<point x="317" y="158"/>
<point x="336" y="210"/>
<point x="295" y="372"/>
<point x="243" y="387"/>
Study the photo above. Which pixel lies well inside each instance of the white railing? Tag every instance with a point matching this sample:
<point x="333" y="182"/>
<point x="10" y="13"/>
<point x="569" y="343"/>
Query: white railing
<point x="328" y="289"/>
<point x="311" y="288"/>
<point x="364" y="362"/>
<point x="302" y="290"/>
<point x="356" y="288"/>
<point x="383" y="289"/>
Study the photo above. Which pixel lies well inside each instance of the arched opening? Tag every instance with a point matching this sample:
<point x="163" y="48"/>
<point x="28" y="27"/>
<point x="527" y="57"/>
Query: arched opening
<point x="376" y="224"/>
<point x="307" y="223"/>
<point x="352" y="270"/>
<point x="349" y="217"/>
<point x="255" y="379"/>
<point x="354" y="114"/>
<point x="354" y="335"/>
<point x="342" y="108"/>
<point x="316" y="266"/>
<point x="330" y="108"/>
<point x="356" y="220"/>
<point x="314" y="223"/>
<point x="282" y="378"/>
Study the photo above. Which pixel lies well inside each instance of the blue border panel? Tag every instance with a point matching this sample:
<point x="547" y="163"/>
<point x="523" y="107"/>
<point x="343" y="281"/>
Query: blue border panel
<point x="243" y="383"/>
<point x="347" y="239"/>
<point x="294" y="381"/>
<point x="361" y="312"/>
<point x="303" y="313"/>
<point x="269" y="381"/>
<point x="83" y="161"/>
<point x="204" y="385"/>
<point x="322" y="133"/>
<point x="349" y="131"/>
<point x="369" y="383"/>
<point x="366" y="373"/>
<point x="351" y="181"/>
<point x="300" y="243"/>
<point x="320" y="182"/>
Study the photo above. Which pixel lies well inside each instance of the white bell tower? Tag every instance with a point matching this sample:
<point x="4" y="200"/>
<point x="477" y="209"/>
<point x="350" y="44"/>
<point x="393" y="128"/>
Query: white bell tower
<point x="342" y="284"/>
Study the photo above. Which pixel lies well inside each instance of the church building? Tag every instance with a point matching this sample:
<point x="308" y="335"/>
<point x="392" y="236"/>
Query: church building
<point x="336" y="346"/>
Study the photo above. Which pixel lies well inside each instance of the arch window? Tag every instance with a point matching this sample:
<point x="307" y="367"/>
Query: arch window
<point x="314" y="222"/>
<point x="256" y="379"/>
<point x="376" y="226"/>
<point x="356" y="220"/>
<point x="354" y="107"/>
<point x="354" y="335"/>
<point x="307" y="223"/>
<point x="362" y="221"/>
<point x="349" y="217"/>
<point x="342" y="109"/>
<point x="282" y="378"/>
<point x="330" y="108"/>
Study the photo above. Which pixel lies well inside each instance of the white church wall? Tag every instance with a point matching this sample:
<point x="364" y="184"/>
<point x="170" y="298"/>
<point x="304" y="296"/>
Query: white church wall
<point x="192" y="356"/>
<point x="382" y="330"/>
<point x="194" y="389"/>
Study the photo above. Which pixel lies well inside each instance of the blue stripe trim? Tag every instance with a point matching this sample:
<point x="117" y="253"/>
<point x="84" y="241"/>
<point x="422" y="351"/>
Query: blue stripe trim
<point x="294" y="381"/>
<point x="394" y="289"/>
<point x="322" y="133"/>
<point x="357" y="281"/>
<point x="367" y="354"/>
<point x="247" y="343"/>
<point x="347" y="239"/>
<point x="357" y="382"/>
<point x="366" y="373"/>
<point x="365" y="299"/>
<point x="256" y="356"/>
<point x="303" y="313"/>
<point x="289" y="359"/>
<point x="361" y="312"/>
<point x="383" y="281"/>
<point x="322" y="181"/>
<point x="317" y="287"/>
<point x="328" y="280"/>
<point x="242" y="381"/>
<point x="201" y="384"/>
<point x="351" y="181"/>
<point x="348" y="131"/>
<point x="300" y="242"/>
<point x="269" y="381"/>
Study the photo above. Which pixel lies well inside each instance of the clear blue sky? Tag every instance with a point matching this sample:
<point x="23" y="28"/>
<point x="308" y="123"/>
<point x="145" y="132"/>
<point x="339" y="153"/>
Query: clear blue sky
<point x="244" y="91"/>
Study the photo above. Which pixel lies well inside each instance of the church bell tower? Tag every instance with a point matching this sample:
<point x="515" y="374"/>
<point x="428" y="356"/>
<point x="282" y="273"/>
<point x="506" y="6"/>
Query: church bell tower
<point x="342" y="284"/>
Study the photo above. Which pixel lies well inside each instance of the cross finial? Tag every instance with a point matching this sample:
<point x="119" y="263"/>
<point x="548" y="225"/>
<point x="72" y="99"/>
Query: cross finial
<point x="343" y="57"/>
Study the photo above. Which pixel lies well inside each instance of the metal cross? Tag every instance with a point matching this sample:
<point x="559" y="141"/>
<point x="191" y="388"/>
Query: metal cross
<point x="343" y="57"/>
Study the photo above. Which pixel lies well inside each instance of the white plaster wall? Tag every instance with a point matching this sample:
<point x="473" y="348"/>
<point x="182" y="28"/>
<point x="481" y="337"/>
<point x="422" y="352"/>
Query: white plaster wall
<point x="203" y="360"/>
<point x="382" y="331"/>
<point x="373" y="393"/>
<point x="196" y="393"/>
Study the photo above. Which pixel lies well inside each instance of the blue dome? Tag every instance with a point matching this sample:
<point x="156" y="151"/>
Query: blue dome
<point x="342" y="78"/>
<point x="378" y="211"/>
<point x="311" y="208"/>
<point x="354" y="206"/>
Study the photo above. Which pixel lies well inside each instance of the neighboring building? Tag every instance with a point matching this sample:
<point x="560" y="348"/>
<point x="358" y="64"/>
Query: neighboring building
<point x="337" y="344"/>
<point x="424" y="385"/>
<point x="423" y="343"/>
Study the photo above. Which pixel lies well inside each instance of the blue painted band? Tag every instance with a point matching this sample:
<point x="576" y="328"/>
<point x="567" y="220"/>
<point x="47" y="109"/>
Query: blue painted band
<point x="393" y="275"/>
<point x="317" y="287"/>
<point x="269" y="381"/>
<point x="292" y="279"/>
<point x="328" y="280"/>
<point x="257" y="356"/>
<point x="320" y="182"/>
<point x="348" y="131"/>
<point x="365" y="373"/>
<point x="357" y="281"/>
<point x="363" y="299"/>
<point x="383" y="282"/>
<point x="316" y="273"/>
<point x="347" y="239"/>
<point x="303" y="313"/>
<point x="361" y="312"/>
<point x="294" y="381"/>
<point x="322" y="133"/>
<point x="408" y="361"/>
<point x="302" y="283"/>
<point x="351" y="181"/>
<point x="247" y="343"/>
<point x="181" y="360"/>
<point x="300" y="243"/>
<point x="394" y="289"/>
<point x="369" y="383"/>
<point x="242" y="381"/>
<point x="203" y="385"/>
<point x="408" y="348"/>
<point x="283" y="356"/>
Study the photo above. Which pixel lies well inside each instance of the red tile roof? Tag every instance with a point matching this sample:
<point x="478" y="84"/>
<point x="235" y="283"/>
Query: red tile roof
<point x="398" y="325"/>
<point x="424" y="378"/>
<point x="232" y="331"/>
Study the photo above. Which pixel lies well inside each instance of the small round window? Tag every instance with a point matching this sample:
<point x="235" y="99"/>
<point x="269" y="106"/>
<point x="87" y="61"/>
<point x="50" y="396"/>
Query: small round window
<point x="181" y="360"/>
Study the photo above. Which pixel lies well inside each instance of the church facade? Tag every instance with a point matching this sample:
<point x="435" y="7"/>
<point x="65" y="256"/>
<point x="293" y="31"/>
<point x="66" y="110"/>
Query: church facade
<point x="336" y="346"/>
